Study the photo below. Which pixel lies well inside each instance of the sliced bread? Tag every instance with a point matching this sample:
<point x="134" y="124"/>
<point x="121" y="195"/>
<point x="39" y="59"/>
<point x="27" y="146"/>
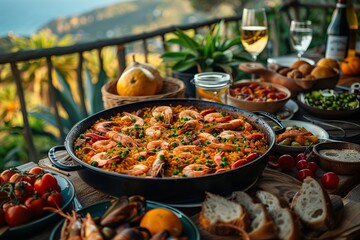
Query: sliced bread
<point x="218" y="212"/>
<point x="287" y="224"/>
<point x="312" y="204"/>
<point x="261" y="224"/>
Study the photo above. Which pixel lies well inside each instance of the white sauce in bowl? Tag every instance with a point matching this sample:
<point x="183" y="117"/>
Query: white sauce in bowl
<point x="343" y="155"/>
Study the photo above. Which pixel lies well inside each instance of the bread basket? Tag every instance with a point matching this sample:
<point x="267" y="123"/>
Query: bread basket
<point x="172" y="88"/>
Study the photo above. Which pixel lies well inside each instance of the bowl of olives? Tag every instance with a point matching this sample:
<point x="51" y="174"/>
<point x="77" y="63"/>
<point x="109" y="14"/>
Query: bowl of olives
<point x="329" y="103"/>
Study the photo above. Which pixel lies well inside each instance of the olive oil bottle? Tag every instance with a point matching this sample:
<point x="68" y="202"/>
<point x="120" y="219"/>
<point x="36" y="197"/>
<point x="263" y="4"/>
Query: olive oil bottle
<point x="338" y="33"/>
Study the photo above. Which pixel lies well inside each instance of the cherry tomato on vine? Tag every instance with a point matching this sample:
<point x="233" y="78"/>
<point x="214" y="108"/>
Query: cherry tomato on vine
<point x="37" y="170"/>
<point x="46" y="184"/>
<point x="312" y="166"/>
<point x="6" y="175"/>
<point x="302" y="164"/>
<point x="330" y="180"/>
<point x="303" y="173"/>
<point x="54" y="199"/>
<point x="17" y="177"/>
<point x="300" y="156"/>
<point x="286" y="162"/>
<point x="35" y="205"/>
<point x="23" y="190"/>
<point x="17" y="215"/>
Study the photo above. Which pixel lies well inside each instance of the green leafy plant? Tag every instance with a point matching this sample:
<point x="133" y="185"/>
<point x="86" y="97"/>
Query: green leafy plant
<point x="65" y="98"/>
<point x="208" y="53"/>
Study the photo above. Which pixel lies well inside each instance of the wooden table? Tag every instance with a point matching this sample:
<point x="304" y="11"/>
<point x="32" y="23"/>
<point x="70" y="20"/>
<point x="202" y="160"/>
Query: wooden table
<point x="349" y="186"/>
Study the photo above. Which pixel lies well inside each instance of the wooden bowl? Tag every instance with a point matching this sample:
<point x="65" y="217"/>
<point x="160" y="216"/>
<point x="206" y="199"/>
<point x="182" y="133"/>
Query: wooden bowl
<point x="294" y="85"/>
<point x="328" y="162"/>
<point x="271" y="107"/>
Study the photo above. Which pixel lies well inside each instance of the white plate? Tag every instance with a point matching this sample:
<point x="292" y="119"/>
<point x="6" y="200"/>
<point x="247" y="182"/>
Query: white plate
<point x="287" y="111"/>
<point x="316" y="130"/>
<point x="287" y="60"/>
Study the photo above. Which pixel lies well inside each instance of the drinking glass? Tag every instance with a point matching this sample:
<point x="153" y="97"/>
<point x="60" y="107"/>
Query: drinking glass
<point x="300" y="36"/>
<point x="254" y="31"/>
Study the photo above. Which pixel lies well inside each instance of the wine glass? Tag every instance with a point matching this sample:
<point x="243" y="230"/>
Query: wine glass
<point x="300" y="36"/>
<point x="254" y="31"/>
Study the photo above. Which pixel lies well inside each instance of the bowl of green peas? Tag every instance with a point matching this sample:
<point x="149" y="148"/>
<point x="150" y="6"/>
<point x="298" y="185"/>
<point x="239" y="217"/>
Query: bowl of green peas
<point x="329" y="103"/>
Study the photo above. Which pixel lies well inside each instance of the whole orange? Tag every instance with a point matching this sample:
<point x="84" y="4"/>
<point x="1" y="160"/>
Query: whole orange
<point x="350" y="65"/>
<point x="159" y="219"/>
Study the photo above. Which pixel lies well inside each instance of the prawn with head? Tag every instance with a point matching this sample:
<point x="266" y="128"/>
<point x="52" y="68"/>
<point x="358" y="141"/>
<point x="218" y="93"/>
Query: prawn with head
<point x="131" y="120"/>
<point x="161" y="115"/>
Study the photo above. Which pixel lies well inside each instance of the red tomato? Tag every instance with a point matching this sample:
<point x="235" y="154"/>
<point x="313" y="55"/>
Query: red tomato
<point x="54" y="199"/>
<point x="271" y="95"/>
<point x="23" y="190"/>
<point x="17" y="215"/>
<point x="312" y="166"/>
<point x="330" y="180"/>
<point x="237" y="90"/>
<point x="300" y="156"/>
<point x="46" y="183"/>
<point x="6" y="175"/>
<point x="286" y="162"/>
<point x="253" y="85"/>
<point x="280" y="95"/>
<point x="2" y="217"/>
<point x="37" y="170"/>
<point x="272" y="161"/>
<point x="36" y="205"/>
<point x="19" y="177"/>
<point x="302" y="164"/>
<point x="303" y="173"/>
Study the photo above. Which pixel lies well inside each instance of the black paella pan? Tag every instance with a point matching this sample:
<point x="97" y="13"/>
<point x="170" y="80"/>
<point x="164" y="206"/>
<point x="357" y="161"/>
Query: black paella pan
<point x="168" y="190"/>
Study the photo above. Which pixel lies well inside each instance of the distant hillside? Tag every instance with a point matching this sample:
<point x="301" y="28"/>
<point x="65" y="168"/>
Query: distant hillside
<point x="127" y="18"/>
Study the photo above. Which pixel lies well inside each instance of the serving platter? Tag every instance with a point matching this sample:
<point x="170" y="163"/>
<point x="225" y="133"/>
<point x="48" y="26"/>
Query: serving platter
<point x="287" y="111"/>
<point x="314" y="129"/>
<point x="68" y="193"/>
<point x="327" y="114"/>
<point x="96" y="210"/>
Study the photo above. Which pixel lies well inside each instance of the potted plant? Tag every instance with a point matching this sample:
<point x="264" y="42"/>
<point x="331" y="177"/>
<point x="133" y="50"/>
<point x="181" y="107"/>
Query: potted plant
<point x="210" y="53"/>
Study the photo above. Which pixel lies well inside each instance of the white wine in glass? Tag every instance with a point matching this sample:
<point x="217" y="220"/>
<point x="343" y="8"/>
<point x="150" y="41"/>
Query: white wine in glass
<point x="300" y="36"/>
<point x="254" y="31"/>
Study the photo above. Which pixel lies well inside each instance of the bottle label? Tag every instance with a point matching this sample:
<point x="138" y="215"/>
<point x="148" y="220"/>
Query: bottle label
<point x="336" y="47"/>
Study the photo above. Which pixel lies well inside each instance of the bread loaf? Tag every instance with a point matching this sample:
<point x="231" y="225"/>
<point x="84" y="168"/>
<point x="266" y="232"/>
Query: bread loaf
<point x="312" y="204"/>
<point x="287" y="224"/>
<point x="221" y="216"/>
<point x="261" y="224"/>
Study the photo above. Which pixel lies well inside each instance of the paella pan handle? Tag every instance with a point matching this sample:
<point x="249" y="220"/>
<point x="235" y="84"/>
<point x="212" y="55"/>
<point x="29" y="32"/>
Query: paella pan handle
<point x="274" y="119"/>
<point x="57" y="163"/>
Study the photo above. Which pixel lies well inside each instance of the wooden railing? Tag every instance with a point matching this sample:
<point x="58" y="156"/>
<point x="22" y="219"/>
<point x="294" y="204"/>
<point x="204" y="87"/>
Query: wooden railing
<point x="290" y="10"/>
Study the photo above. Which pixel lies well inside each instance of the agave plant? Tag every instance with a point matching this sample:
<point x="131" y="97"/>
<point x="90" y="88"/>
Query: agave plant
<point x="208" y="53"/>
<point x="69" y="105"/>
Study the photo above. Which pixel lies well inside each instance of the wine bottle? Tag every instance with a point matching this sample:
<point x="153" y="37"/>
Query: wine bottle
<point x="338" y="33"/>
<point x="353" y="24"/>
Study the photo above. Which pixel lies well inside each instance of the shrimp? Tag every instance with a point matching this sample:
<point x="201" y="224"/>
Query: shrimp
<point x="102" y="159"/>
<point x="135" y="120"/>
<point x="104" y="144"/>
<point x="191" y="115"/>
<point x="123" y="139"/>
<point x="208" y="137"/>
<point x="223" y="146"/>
<point x="71" y="228"/>
<point x="185" y="151"/>
<point x="158" y="144"/>
<point x="104" y="127"/>
<point x="91" y="231"/>
<point x="154" y="132"/>
<point x="162" y="114"/>
<point x="217" y="117"/>
<point x="196" y="170"/>
<point x="143" y="154"/>
<point x="137" y="170"/>
<point x="190" y="125"/>
<point x="231" y="135"/>
<point x="218" y="157"/>
<point x="157" y="168"/>
<point x="295" y="134"/>
<point x="235" y="124"/>
<point x="207" y="111"/>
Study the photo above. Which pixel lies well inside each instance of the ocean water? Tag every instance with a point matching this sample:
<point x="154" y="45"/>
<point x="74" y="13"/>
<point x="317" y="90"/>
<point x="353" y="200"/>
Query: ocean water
<point x="24" y="17"/>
